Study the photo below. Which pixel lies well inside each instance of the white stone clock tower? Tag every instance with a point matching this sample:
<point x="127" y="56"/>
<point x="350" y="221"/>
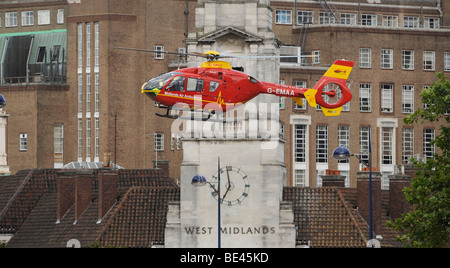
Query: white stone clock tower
<point x="249" y="146"/>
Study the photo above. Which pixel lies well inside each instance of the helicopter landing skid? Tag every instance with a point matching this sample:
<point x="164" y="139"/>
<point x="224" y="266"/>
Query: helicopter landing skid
<point x="168" y="115"/>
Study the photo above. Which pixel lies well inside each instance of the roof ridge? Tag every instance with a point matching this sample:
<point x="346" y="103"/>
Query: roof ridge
<point x="352" y="217"/>
<point x="17" y="192"/>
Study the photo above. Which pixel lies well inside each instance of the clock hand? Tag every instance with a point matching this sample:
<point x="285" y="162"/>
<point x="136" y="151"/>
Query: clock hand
<point x="229" y="185"/>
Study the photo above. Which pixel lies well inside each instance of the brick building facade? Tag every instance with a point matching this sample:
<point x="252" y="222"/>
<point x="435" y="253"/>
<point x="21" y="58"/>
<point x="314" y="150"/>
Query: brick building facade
<point x="97" y="107"/>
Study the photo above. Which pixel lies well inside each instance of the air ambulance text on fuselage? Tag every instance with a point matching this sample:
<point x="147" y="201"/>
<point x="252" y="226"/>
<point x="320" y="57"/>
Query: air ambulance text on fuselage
<point x="279" y="91"/>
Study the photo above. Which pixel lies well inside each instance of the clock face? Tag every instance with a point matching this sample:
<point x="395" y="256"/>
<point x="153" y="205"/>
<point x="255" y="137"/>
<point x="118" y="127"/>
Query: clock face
<point x="234" y="185"/>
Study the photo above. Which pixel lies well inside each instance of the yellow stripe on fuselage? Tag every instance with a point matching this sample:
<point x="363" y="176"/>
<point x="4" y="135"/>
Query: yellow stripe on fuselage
<point x="339" y="71"/>
<point x="194" y="99"/>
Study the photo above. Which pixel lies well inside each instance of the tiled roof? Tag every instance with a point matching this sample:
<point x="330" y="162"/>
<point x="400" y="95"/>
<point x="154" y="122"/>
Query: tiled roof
<point x="140" y="210"/>
<point x="325" y="217"/>
<point x="322" y="219"/>
<point x="144" y="212"/>
<point x="20" y="193"/>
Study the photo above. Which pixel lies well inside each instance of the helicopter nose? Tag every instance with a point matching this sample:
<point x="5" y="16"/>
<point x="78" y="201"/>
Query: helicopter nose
<point x="149" y="90"/>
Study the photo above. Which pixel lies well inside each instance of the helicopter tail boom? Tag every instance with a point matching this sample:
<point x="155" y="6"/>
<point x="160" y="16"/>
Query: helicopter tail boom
<point x="321" y="94"/>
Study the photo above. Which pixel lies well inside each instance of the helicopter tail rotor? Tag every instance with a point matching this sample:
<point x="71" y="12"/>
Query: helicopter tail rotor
<point x="332" y="92"/>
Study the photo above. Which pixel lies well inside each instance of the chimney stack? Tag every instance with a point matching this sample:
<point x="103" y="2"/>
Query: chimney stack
<point x="363" y="198"/>
<point x="83" y="192"/>
<point x="162" y="164"/>
<point x="108" y="180"/>
<point x="333" y="178"/>
<point x="73" y="188"/>
<point x="65" y="193"/>
<point x="397" y="199"/>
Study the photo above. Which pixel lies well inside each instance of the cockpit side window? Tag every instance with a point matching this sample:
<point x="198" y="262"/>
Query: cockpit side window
<point x="213" y="86"/>
<point x="194" y="84"/>
<point x="177" y="84"/>
<point x="253" y="80"/>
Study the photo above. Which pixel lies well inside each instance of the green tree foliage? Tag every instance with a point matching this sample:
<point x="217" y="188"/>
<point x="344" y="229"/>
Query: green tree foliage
<point x="428" y="224"/>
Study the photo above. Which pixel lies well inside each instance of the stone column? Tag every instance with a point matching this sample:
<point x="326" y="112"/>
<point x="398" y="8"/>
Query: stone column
<point x="4" y="168"/>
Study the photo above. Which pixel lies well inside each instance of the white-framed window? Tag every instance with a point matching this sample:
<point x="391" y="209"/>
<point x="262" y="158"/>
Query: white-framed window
<point x="410" y="22"/>
<point x="292" y="55"/>
<point x="80" y="93"/>
<point x="364" y="142"/>
<point x="27" y="18"/>
<point x="158" y="141"/>
<point x="390" y="21"/>
<point x="446" y="61"/>
<point x="316" y="57"/>
<point x="407" y="99"/>
<point x="97" y="45"/>
<point x="408" y="59"/>
<point x="346" y="107"/>
<point x="299" y="178"/>
<point x="431" y="23"/>
<point x="283" y="17"/>
<point x="428" y="61"/>
<point x="301" y="84"/>
<point x="60" y="16"/>
<point x="300" y="143"/>
<point x="326" y="18"/>
<point x="23" y="142"/>
<point x="321" y="169"/>
<point x="407" y="144"/>
<point x="304" y="17"/>
<point x="58" y="145"/>
<point x="387" y="58"/>
<point x="11" y="19"/>
<point x="365" y="97"/>
<point x="88" y="139"/>
<point x="365" y="58"/>
<point x="159" y="56"/>
<point x="369" y="20"/>
<point x="97" y="139"/>
<point x="344" y="139"/>
<point x="88" y="47"/>
<point x="387" y="134"/>
<point x="348" y="18"/>
<point x="80" y="139"/>
<point x="97" y="93"/>
<point x="43" y="17"/>
<point x="80" y="47"/>
<point x="88" y="93"/>
<point x="322" y="144"/>
<point x="428" y="146"/>
<point x="172" y="142"/>
<point x="387" y="98"/>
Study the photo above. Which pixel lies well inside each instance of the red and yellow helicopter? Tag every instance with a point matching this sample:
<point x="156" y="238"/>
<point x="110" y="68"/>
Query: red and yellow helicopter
<point x="216" y="87"/>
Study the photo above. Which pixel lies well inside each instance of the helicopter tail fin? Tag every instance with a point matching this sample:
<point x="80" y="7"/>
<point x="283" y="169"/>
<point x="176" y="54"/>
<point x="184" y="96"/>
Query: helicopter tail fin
<point x="337" y="74"/>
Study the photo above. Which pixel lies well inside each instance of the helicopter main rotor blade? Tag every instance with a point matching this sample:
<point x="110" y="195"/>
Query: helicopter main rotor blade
<point x="266" y="57"/>
<point x="164" y="52"/>
<point x="214" y="56"/>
